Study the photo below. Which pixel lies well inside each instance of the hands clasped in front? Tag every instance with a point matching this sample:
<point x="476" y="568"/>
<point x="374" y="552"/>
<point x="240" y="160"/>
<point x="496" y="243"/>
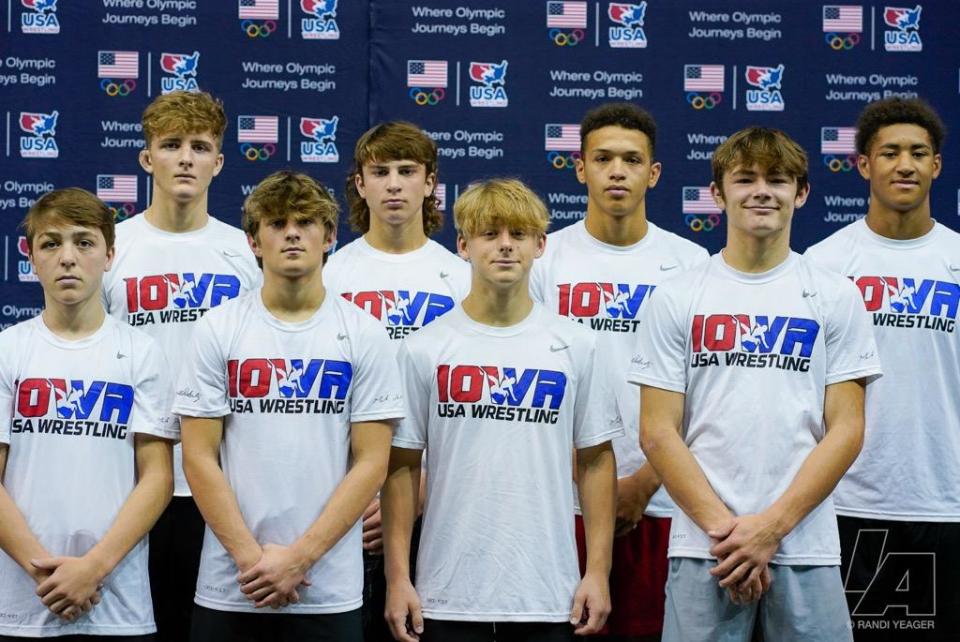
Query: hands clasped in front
<point x="274" y="578"/>
<point x="743" y="547"/>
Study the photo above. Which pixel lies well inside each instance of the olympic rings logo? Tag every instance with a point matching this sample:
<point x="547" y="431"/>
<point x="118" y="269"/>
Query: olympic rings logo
<point x="258" y="30"/>
<point x="258" y="152"/>
<point x="564" y="39"/>
<point x="697" y="101"/>
<point x="561" y="161"/>
<point x="838" y="42"/>
<point x="422" y="97"/>
<point x="123" y="212"/>
<point x="702" y="222"/>
<point x="118" y="88"/>
<point x="837" y="164"/>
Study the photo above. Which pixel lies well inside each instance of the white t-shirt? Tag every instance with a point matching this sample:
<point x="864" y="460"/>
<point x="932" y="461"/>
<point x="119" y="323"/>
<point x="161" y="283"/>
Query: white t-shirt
<point x="69" y="411"/>
<point x="606" y="287"/>
<point x="753" y="354"/>
<point x="910" y="465"/>
<point x="288" y="393"/>
<point x="163" y="282"/>
<point x="499" y="411"/>
<point x="403" y="291"/>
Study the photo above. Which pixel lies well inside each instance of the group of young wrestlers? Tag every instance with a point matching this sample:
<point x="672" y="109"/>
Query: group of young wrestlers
<point x="345" y="420"/>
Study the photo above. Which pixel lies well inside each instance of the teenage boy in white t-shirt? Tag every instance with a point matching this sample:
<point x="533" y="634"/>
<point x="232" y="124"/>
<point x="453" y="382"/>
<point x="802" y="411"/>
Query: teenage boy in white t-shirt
<point x="85" y="443"/>
<point x="752" y="369"/>
<point x="286" y="400"/>
<point x="395" y="272"/>
<point x="501" y="391"/>
<point x="601" y="272"/>
<point x="173" y="263"/>
<point x="899" y="505"/>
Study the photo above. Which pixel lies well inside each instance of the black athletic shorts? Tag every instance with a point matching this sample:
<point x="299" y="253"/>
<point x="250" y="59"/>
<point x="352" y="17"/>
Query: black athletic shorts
<point x="175" y="544"/>
<point x="447" y="631"/>
<point x="900" y="579"/>
<point x="226" y="626"/>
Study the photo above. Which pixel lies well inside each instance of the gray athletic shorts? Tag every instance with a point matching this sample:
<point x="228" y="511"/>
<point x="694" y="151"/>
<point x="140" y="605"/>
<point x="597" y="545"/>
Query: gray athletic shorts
<point x="804" y="604"/>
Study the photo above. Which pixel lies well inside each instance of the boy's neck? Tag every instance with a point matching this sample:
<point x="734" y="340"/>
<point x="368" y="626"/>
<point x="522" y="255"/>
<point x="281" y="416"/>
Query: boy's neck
<point x="74" y="322"/>
<point x="753" y="255"/>
<point x="496" y="306"/>
<point x="177" y="218"/>
<point x="292" y="300"/>
<point x="621" y="231"/>
<point x="900" y="226"/>
<point x="396" y="239"/>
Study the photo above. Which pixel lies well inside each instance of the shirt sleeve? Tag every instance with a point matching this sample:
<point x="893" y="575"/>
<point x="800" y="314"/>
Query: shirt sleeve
<point x="377" y="393"/>
<point x="536" y="280"/>
<point x="850" y="344"/>
<point x="412" y="429"/>
<point x="660" y="358"/>
<point x="153" y="395"/>
<point x="597" y="416"/>
<point x="201" y="386"/>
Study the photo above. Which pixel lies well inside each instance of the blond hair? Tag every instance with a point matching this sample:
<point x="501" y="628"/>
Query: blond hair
<point x="184" y="112"/>
<point x="499" y="202"/>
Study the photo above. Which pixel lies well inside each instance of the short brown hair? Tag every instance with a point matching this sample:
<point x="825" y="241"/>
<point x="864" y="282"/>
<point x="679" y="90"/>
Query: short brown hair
<point x="184" y="112"/>
<point x="771" y="149"/>
<point x="626" y="115"/>
<point x="71" y="205"/>
<point x="396" y="140"/>
<point x="496" y="202"/>
<point x="898" y="111"/>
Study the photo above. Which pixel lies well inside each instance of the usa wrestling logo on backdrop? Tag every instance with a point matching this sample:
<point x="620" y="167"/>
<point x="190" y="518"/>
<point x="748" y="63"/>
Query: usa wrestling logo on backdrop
<point x="322" y="21"/>
<point x="838" y="147"/>
<point x="426" y="81"/>
<point x="842" y="26"/>
<point x="42" y="128"/>
<point x="627" y="32"/>
<point x="321" y="144"/>
<point x="491" y="92"/>
<point x="258" y="18"/>
<point x="566" y="22"/>
<point x="700" y="212"/>
<point x="906" y="33"/>
<point x="258" y="136"/>
<point x="562" y="142"/>
<point x="42" y="17"/>
<point x="25" y="271"/>
<point x="118" y="71"/>
<point x="766" y="96"/>
<point x="703" y="85"/>
<point x="119" y="192"/>
<point x="181" y="70"/>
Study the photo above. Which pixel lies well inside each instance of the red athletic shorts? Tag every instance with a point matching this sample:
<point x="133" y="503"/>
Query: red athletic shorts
<point x="638" y="577"/>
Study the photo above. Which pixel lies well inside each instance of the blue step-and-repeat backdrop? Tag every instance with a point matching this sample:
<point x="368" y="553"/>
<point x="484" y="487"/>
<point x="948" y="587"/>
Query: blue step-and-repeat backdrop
<point x="499" y="84"/>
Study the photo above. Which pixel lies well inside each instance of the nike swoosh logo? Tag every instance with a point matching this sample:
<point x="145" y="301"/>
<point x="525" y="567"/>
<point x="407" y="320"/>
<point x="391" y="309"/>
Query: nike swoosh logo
<point x="665" y="268"/>
<point x="444" y="275"/>
<point x="341" y="337"/>
<point x="807" y="294"/>
<point x="120" y="355"/>
<point x="230" y="253"/>
<point x="954" y="268"/>
<point x="558" y="348"/>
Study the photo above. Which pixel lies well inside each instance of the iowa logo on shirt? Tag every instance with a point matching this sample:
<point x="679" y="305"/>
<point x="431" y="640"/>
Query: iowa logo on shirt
<point x="73" y="407"/>
<point x="504" y="394"/>
<point x="758" y="341"/>
<point x="612" y="307"/>
<point x="288" y="386"/>
<point x="403" y="311"/>
<point x="177" y="298"/>
<point x="910" y="303"/>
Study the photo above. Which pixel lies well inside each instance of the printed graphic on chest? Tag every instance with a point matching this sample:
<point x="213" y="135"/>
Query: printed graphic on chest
<point x="753" y="341"/>
<point x="73" y="407"/>
<point x="177" y="298"/>
<point x="905" y="302"/>
<point x="402" y="310"/>
<point x="288" y="385"/>
<point x="611" y="307"/>
<point x="500" y="393"/>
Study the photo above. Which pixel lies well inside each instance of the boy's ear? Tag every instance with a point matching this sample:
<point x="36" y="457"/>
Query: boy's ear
<point x="146" y="162"/>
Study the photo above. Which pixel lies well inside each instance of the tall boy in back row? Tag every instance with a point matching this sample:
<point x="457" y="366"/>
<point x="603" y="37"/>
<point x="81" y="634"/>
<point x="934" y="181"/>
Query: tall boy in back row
<point x="899" y="505"/>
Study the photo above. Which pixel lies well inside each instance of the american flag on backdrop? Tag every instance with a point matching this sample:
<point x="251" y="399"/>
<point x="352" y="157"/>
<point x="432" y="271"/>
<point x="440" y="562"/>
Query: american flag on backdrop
<point x="117" y="188"/>
<point x="118" y="64"/>
<point x="845" y="19"/>
<point x="441" y="194"/>
<point x="564" y="138"/>
<point x="259" y="9"/>
<point x="426" y="73"/>
<point x="838" y="140"/>
<point x="567" y="15"/>
<point x="257" y="129"/>
<point x="703" y="78"/>
<point x="698" y="200"/>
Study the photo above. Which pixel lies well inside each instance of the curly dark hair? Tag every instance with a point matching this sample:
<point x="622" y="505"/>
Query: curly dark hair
<point x="896" y="111"/>
<point x="392" y="141"/>
<point x="626" y="115"/>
